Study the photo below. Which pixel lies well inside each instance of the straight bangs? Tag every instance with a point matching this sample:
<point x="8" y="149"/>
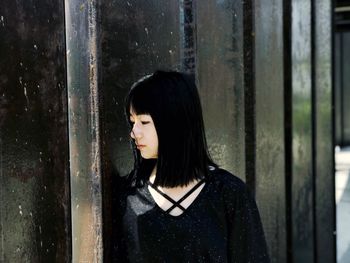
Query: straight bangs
<point x="172" y="100"/>
<point x="138" y="99"/>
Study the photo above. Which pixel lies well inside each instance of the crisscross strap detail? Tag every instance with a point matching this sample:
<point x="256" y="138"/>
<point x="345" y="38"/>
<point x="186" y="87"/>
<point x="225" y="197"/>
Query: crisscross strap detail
<point x="176" y="203"/>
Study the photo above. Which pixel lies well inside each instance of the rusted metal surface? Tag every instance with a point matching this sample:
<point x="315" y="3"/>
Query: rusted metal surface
<point x="82" y="47"/>
<point x="220" y="80"/>
<point x="34" y="172"/>
<point x="269" y="124"/>
<point x="302" y="194"/>
<point x="323" y="137"/>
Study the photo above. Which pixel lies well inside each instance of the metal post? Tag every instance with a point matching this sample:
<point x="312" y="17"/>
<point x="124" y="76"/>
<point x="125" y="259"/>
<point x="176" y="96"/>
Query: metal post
<point x="84" y="129"/>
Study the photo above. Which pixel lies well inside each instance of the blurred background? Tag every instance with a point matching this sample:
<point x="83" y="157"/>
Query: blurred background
<point x="342" y="126"/>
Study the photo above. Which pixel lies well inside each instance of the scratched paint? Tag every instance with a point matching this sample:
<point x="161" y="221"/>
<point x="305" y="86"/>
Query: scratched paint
<point x="84" y="130"/>
<point x="33" y="138"/>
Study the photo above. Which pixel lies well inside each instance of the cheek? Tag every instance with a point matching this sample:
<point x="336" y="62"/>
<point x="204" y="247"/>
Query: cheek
<point x="155" y="139"/>
<point x="155" y="143"/>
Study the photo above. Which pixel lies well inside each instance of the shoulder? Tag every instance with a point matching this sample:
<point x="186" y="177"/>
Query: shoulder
<point x="233" y="190"/>
<point x="227" y="180"/>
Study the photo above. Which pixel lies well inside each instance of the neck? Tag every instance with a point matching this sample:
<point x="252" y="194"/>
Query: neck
<point x="153" y="174"/>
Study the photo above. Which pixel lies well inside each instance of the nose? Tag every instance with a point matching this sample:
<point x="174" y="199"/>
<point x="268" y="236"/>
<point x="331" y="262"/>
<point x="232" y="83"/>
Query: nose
<point x="136" y="132"/>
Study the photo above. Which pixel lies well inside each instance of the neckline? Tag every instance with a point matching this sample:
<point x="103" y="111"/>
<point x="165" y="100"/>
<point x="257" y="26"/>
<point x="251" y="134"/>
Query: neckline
<point x="191" y="206"/>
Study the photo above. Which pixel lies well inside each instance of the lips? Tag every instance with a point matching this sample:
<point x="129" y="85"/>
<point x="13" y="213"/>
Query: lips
<point x="140" y="146"/>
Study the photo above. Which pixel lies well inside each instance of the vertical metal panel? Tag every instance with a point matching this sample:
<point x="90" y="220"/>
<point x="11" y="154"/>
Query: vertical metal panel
<point x="249" y="92"/>
<point x="270" y="157"/>
<point x="137" y="39"/>
<point x="302" y="176"/>
<point x="34" y="174"/>
<point x="220" y="79"/>
<point x="345" y="86"/>
<point x="324" y="148"/>
<point x="337" y="87"/>
<point x="342" y="88"/>
<point x="84" y="129"/>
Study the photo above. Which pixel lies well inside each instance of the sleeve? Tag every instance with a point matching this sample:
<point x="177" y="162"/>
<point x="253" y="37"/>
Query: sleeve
<point x="246" y="241"/>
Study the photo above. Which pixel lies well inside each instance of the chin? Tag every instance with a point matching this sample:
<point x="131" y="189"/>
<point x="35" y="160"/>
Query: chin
<point x="147" y="156"/>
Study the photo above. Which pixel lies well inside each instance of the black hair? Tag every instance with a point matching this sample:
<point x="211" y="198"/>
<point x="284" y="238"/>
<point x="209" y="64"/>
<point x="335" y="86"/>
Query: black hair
<point x="171" y="99"/>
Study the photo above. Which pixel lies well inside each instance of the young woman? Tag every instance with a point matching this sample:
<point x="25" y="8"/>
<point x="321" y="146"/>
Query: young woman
<point x="177" y="205"/>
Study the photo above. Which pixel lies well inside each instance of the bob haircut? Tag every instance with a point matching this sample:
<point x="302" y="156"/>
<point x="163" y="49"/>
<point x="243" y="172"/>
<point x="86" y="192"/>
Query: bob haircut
<point x="171" y="99"/>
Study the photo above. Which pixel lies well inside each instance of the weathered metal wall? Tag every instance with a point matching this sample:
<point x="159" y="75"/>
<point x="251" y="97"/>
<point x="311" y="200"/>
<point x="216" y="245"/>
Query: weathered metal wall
<point x="264" y="77"/>
<point x="342" y="86"/>
<point x="338" y="84"/>
<point x="265" y="84"/>
<point x="83" y="57"/>
<point x="309" y="132"/>
<point x="219" y="69"/>
<point x="34" y="169"/>
<point x="302" y="193"/>
<point x="269" y="118"/>
<point x="263" y="70"/>
<point x="346" y="89"/>
<point x="136" y="40"/>
<point x="323" y="141"/>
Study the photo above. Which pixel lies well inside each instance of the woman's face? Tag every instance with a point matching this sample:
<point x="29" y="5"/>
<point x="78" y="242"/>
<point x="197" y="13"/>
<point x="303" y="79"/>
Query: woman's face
<point x="144" y="134"/>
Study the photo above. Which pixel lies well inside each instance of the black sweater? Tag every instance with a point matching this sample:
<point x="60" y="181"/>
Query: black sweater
<point x="221" y="225"/>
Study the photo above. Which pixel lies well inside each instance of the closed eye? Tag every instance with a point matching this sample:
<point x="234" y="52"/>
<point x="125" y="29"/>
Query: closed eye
<point x="143" y="122"/>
